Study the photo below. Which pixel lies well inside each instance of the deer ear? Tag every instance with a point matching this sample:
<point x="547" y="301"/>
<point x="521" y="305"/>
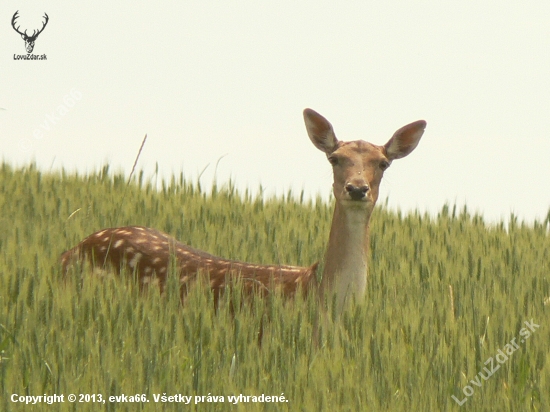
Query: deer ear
<point x="320" y="131"/>
<point x="405" y="140"/>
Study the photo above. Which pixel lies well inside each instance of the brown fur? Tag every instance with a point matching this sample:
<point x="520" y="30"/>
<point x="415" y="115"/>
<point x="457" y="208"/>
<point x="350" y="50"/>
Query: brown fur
<point x="147" y="252"/>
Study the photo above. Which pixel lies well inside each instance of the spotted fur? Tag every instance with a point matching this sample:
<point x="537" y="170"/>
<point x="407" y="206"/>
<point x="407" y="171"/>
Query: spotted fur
<point x="146" y="252"/>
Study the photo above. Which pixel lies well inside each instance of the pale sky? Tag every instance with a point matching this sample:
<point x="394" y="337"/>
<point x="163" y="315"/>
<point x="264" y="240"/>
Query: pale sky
<point x="208" y="79"/>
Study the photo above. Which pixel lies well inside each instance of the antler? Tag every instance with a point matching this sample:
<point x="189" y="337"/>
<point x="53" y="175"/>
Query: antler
<point x="34" y="33"/>
<point x="15" y="16"/>
<point x="43" y="26"/>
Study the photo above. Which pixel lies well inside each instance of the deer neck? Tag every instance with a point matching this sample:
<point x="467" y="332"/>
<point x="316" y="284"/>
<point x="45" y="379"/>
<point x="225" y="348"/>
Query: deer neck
<point x="345" y="271"/>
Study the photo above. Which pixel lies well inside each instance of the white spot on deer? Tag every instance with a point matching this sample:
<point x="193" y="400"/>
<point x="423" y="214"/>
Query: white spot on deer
<point x="123" y="232"/>
<point x="135" y="260"/>
<point x="162" y="270"/>
<point x="184" y="279"/>
<point x="103" y="248"/>
<point x="146" y="279"/>
<point x="118" y="243"/>
<point x="141" y="240"/>
<point x="106" y="239"/>
<point x="130" y="249"/>
<point x="156" y="260"/>
<point x="99" y="234"/>
<point x="147" y="269"/>
<point x="157" y="247"/>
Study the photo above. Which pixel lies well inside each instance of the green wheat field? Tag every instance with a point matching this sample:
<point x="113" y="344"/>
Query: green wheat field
<point x="456" y="317"/>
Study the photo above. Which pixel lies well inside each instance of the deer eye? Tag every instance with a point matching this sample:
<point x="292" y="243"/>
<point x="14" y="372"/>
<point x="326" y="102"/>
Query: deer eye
<point x="333" y="160"/>
<point x="384" y="165"/>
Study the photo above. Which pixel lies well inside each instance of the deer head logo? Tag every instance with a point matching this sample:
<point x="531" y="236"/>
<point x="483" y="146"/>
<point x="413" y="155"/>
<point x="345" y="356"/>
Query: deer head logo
<point x="29" y="40"/>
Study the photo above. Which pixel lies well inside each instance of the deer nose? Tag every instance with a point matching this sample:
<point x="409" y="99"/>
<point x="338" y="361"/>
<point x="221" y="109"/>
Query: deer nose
<point x="357" y="192"/>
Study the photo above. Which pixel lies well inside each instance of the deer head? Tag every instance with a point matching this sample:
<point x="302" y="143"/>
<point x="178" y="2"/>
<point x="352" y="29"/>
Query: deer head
<point x="29" y="40"/>
<point x="358" y="165"/>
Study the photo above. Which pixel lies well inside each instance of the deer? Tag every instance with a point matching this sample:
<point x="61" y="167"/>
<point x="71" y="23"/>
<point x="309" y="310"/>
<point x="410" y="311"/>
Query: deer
<point x="29" y="40"/>
<point x="358" y="167"/>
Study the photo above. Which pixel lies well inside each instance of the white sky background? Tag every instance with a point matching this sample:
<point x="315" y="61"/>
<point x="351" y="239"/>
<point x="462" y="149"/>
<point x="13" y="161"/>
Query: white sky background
<point x="204" y="79"/>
